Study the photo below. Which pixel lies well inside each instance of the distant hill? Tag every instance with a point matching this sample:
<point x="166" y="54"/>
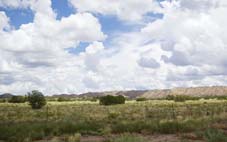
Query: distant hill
<point x="6" y="96"/>
<point x="192" y="91"/>
<point x="65" y="95"/>
<point x="201" y="91"/>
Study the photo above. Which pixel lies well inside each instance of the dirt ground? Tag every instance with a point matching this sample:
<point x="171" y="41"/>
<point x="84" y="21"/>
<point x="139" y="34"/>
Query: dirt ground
<point x="149" y="138"/>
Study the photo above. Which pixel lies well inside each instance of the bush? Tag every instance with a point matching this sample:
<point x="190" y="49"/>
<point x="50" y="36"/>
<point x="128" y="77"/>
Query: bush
<point x="111" y="100"/>
<point x="141" y="99"/>
<point x="170" y="97"/>
<point x="94" y="99"/>
<point x="181" y="98"/>
<point x="63" y="99"/>
<point x="3" y="100"/>
<point x="36" y="99"/>
<point x="221" y="97"/>
<point x="215" y="97"/>
<point x="17" y="99"/>
<point x="213" y="135"/>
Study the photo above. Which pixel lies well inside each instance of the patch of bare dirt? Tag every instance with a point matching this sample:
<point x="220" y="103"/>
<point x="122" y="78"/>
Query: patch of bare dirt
<point x="92" y="139"/>
<point x="163" y="138"/>
<point x="150" y="138"/>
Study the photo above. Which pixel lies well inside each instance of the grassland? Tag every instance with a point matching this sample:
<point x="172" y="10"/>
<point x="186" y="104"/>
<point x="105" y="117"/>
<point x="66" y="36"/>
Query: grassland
<point x="151" y="121"/>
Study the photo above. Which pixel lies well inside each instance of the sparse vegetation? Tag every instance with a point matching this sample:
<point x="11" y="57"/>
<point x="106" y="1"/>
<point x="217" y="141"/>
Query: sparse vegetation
<point x="70" y="120"/>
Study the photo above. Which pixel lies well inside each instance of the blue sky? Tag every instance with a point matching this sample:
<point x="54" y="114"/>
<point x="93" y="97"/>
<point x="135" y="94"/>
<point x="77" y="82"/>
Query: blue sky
<point x="18" y="16"/>
<point x="62" y="8"/>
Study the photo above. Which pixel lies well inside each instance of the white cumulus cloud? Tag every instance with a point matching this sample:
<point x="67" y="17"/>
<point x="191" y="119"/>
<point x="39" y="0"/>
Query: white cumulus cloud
<point x="187" y="47"/>
<point x="129" y="10"/>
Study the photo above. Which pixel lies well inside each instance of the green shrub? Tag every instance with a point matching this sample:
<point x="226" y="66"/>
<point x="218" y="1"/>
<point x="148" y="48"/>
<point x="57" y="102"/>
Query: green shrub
<point x="111" y="100"/>
<point x="83" y="127"/>
<point x="21" y="131"/>
<point x="181" y="98"/>
<point x="213" y="135"/>
<point x="3" y="100"/>
<point x="224" y="97"/>
<point x="18" y="132"/>
<point x="94" y="99"/>
<point x="141" y="99"/>
<point x="132" y="126"/>
<point x="190" y="125"/>
<point x="221" y="97"/>
<point x="168" y="127"/>
<point x="170" y="97"/>
<point x="63" y="99"/>
<point x="155" y="126"/>
<point x="17" y="99"/>
<point x="36" y="99"/>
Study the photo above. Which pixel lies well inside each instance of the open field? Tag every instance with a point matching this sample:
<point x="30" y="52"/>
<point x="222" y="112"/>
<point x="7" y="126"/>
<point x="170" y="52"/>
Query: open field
<point x="152" y="121"/>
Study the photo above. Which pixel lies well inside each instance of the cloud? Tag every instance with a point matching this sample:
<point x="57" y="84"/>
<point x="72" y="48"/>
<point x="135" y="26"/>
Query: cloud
<point x="92" y="55"/>
<point x="199" y="5"/>
<point x="91" y="83"/>
<point x="95" y="47"/>
<point x="187" y="47"/>
<point x="15" y="3"/>
<point x="39" y="47"/>
<point x="129" y="10"/>
<point x="196" y="38"/>
<point x="7" y="79"/>
<point x="148" y="63"/>
<point x="177" y="58"/>
<point x="42" y="43"/>
<point x="4" y="21"/>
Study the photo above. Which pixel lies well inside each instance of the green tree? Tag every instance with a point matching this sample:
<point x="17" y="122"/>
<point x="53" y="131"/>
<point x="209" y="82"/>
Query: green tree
<point x="36" y="99"/>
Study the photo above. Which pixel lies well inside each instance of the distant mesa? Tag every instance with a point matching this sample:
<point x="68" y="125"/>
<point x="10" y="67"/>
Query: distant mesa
<point x="150" y="94"/>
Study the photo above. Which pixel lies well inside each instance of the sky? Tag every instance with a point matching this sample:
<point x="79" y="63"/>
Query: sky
<point x="77" y="46"/>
